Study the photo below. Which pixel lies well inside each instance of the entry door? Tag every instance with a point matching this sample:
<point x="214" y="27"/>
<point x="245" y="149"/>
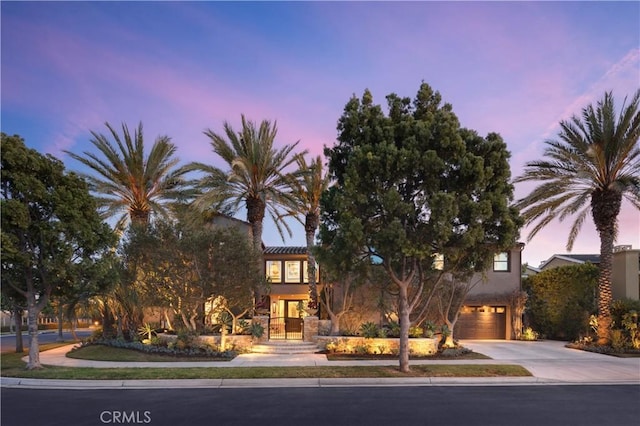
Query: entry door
<point x="292" y="320"/>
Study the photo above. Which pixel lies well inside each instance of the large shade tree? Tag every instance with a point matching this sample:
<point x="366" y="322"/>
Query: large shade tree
<point x="412" y="184"/>
<point x="50" y="229"/>
<point x="128" y="183"/>
<point x="257" y="176"/>
<point x="182" y="266"/>
<point x="592" y="165"/>
<point x="306" y="191"/>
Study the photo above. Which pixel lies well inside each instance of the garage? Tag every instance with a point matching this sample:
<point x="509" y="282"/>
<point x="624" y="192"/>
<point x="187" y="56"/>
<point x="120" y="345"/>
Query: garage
<point x="481" y="322"/>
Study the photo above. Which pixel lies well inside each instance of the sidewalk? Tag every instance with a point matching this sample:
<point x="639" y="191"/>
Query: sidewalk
<point x="549" y="362"/>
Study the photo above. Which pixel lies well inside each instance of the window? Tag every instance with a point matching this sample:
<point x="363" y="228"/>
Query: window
<point x="305" y="272"/>
<point x="501" y="262"/>
<point x="274" y="271"/>
<point x="292" y="271"/>
<point x="438" y="261"/>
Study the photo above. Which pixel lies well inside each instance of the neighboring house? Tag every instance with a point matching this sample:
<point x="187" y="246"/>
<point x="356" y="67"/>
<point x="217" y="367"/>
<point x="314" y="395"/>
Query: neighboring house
<point x="569" y="259"/>
<point x="490" y="310"/>
<point x="286" y="271"/>
<point x="529" y="270"/>
<point x="625" y="269"/>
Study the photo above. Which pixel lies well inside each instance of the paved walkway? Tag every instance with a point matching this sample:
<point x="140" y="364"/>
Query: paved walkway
<point x="549" y="362"/>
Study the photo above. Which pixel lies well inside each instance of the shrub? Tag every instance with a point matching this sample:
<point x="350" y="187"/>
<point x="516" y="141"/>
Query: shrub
<point x="429" y="328"/>
<point x="620" y="307"/>
<point x="618" y="340"/>
<point x="393" y="329"/>
<point x="361" y="349"/>
<point x="369" y="330"/>
<point x="256" y="330"/>
<point x="529" y="334"/>
<point x="630" y="324"/>
<point x="561" y="300"/>
<point x="416" y="332"/>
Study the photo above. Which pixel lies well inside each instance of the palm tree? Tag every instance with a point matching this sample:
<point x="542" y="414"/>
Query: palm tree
<point x="593" y="165"/>
<point x="257" y="175"/>
<point x="128" y="182"/>
<point x="306" y="192"/>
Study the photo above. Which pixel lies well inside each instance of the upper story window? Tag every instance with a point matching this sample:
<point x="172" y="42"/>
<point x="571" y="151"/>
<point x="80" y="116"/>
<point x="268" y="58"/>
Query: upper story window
<point x="438" y="261"/>
<point x="292" y="273"/>
<point x="274" y="271"/>
<point x="501" y="262"/>
<point x="305" y="272"/>
<point x="289" y="271"/>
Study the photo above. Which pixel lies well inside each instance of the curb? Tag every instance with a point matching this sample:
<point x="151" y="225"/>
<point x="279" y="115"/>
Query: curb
<point x="23" y="383"/>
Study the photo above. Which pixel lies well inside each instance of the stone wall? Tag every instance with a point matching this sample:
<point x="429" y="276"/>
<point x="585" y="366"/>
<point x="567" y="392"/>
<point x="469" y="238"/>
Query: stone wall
<point x="356" y="344"/>
<point x="239" y="342"/>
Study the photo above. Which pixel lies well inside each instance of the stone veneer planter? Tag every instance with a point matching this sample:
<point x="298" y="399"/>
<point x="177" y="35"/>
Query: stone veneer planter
<point x="241" y="342"/>
<point x="354" y="344"/>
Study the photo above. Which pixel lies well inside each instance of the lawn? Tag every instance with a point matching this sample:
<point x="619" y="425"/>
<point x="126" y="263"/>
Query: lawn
<point x="11" y="365"/>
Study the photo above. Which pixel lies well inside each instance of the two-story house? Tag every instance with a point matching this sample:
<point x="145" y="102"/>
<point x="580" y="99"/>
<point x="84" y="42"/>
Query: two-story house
<point x="286" y="269"/>
<point x="491" y="310"/>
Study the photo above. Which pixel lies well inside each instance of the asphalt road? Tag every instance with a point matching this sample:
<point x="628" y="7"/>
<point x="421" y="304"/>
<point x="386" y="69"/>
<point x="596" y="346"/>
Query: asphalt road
<point x="471" y="405"/>
<point x="8" y="342"/>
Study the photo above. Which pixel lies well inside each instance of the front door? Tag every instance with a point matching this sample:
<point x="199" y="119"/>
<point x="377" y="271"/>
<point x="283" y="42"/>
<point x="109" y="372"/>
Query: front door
<point x="293" y="323"/>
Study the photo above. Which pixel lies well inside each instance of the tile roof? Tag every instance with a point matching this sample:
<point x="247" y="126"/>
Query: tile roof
<point x="285" y="250"/>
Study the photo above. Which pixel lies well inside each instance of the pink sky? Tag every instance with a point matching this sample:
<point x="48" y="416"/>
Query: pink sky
<point x="180" y="68"/>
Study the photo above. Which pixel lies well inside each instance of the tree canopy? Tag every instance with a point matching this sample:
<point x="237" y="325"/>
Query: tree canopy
<point x="412" y="184"/>
<point x="590" y="168"/>
<point x="50" y="229"/>
<point x="128" y="183"/>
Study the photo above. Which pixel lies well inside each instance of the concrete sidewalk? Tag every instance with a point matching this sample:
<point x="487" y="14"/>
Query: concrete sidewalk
<point x="549" y="362"/>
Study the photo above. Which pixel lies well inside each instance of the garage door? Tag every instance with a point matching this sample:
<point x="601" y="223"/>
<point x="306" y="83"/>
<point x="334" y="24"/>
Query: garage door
<point x="481" y="322"/>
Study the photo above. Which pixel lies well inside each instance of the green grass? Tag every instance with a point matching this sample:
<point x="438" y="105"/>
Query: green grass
<point x="11" y="365"/>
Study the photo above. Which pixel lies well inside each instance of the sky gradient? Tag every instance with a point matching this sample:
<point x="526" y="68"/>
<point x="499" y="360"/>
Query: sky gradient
<point x="516" y="68"/>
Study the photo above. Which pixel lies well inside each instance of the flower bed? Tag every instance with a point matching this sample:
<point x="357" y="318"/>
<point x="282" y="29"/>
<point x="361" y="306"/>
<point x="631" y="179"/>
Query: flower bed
<point x="361" y="345"/>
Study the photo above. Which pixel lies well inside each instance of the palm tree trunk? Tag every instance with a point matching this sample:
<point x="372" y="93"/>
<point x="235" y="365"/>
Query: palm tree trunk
<point x="605" y="296"/>
<point x="605" y="207"/>
<point x="311" y="224"/>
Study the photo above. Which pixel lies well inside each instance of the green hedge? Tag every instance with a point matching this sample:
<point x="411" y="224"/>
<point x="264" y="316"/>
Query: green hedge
<point x="561" y="300"/>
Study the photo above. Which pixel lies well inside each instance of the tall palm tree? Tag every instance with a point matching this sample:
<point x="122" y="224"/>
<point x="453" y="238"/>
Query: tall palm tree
<point x="306" y="192"/>
<point x="128" y="183"/>
<point x="593" y="165"/>
<point x="257" y="175"/>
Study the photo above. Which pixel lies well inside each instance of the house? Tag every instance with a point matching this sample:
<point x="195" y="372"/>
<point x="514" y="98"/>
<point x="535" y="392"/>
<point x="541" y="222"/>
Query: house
<point x="492" y="309"/>
<point x="528" y="270"/>
<point x="569" y="259"/>
<point x="625" y="280"/>
<point x="286" y="269"/>
<point x="489" y="311"/>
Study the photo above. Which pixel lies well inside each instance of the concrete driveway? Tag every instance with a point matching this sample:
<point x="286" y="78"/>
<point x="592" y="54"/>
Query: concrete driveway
<point x="550" y="360"/>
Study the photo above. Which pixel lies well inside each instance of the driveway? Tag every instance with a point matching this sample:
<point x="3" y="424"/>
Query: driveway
<point x="552" y="361"/>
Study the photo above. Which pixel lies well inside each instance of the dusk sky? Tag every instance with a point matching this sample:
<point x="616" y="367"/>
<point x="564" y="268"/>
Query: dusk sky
<point x="181" y="68"/>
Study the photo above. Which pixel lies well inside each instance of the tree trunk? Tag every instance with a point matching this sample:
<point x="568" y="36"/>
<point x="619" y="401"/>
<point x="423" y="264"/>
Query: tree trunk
<point x="605" y="296"/>
<point x="403" y="298"/>
<point x="32" y="321"/>
<point x="168" y="324"/>
<point x="605" y="207"/>
<point x="60" y="315"/>
<point x="311" y="224"/>
<point x="449" y="341"/>
<point x="17" y="319"/>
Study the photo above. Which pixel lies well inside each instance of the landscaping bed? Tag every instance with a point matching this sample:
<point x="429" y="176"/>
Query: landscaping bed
<point x="98" y="352"/>
<point x="447" y="354"/>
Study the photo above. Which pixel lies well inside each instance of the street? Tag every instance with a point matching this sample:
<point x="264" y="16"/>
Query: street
<point x="547" y="405"/>
<point x="8" y="342"/>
